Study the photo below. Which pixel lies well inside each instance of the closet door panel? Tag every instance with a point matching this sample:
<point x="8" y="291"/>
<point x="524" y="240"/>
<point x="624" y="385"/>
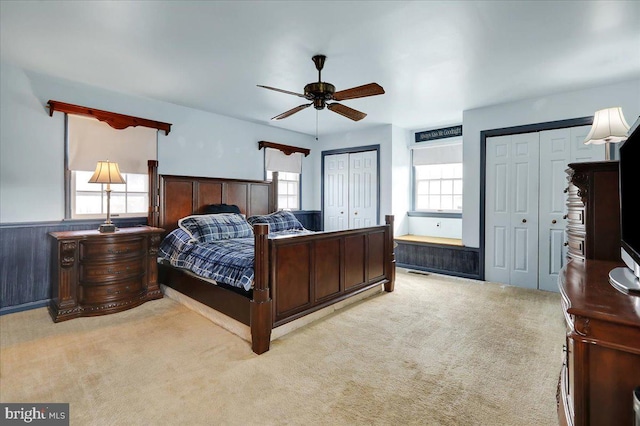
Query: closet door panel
<point x="524" y="210"/>
<point x="336" y="191"/>
<point x="498" y="199"/>
<point x="555" y="151"/>
<point x="363" y="189"/>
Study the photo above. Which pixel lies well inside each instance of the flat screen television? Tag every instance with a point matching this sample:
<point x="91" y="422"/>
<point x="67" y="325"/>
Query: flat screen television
<point x="627" y="279"/>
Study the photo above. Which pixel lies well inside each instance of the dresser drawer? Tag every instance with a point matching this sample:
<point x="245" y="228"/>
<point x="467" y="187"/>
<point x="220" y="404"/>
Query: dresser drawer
<point x="113" y="271"/>
<point x="98" y="294"/>
<point x="99" y="250"/>
<point x="575" y="216"/>
<point x="576" y="246"/>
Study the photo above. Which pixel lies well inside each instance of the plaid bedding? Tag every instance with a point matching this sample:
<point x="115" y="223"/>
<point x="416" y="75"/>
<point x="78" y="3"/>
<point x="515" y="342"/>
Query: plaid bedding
<point x="228" y="261"/>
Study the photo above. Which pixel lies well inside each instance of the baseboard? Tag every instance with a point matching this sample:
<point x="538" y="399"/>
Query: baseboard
<point x="24" y="307"/>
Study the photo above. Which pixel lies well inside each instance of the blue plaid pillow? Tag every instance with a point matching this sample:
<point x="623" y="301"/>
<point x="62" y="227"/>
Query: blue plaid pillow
<point x="279" y="221"/>
<point x="211" y="227"/>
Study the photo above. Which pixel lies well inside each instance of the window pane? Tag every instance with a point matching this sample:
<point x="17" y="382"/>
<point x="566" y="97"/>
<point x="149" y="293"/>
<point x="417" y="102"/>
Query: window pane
<point x="457" y="187"/>
<point x="434" y="187"/>
<point x="457" y="202"/>
<point x="447" y="187"/>
<point x="434" y="202"/>
<point x="118" y="203"/>
<point x="446" y="202"/>
<point x="87" y="203"/>
<point x="137" y="182"/>
<point x="82" y="182"/>
<point x="137" y="203"/>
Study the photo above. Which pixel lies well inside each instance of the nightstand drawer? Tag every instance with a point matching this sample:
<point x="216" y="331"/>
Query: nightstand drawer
<point x="95" y="272"/>
<point x="97" y="294"/>
<point x="98" y="250"/>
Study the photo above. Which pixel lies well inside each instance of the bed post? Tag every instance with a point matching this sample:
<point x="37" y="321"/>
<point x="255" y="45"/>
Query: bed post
<point x="261" y="321"/>
<point x="152" y="215"/>
<point x="391" y="261"/>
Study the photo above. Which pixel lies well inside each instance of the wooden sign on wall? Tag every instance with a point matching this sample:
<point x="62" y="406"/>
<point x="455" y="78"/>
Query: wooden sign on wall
<point x="446" y="132"/>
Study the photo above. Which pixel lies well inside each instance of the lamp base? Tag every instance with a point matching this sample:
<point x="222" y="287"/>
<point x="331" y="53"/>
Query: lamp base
<point x="107" y="227"/>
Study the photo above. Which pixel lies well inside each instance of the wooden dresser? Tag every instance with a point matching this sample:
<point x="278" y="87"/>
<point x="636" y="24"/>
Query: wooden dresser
<point x="98" y="274"/>
<point x="601" y="364"/>
<point x="602" y="358"/>
<point x="593" y="211"/>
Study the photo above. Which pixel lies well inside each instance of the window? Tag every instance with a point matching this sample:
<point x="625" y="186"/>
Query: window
<point x="89" y="199"/>
<point x="289" y="168"/>
<point x="437" y="183"/>
<point x="288" y="190"/>
<point x="90" y="141"/>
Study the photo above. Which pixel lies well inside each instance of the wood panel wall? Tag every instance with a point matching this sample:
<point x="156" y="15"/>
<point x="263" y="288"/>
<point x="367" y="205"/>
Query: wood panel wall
<point x="439" y="258"/>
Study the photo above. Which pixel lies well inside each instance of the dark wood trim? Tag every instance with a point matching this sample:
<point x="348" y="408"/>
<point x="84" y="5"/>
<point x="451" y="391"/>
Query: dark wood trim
<point x="514" y="130"/>
<point x="115" y="120"/>
<point x="287" y="149"/>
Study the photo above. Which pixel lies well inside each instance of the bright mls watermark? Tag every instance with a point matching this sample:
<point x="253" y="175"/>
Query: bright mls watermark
<point x="37" y="414"/>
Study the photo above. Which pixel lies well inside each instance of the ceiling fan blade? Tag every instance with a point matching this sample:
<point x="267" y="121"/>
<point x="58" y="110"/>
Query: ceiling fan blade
<point x="371" y="89"/>
<point x="345" y="111"/>
<point x="291" y="111"/>
<point x="283" y="91"/>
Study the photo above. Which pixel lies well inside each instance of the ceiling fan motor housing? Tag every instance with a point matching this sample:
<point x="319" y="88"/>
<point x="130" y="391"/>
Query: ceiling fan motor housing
<point x="319" y="90"/>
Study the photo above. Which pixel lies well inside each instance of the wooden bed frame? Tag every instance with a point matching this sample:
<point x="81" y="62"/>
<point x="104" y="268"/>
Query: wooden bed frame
<point x="294" y="276"/>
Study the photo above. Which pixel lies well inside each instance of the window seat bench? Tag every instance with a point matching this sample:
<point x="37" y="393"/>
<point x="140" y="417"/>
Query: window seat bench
<point x="436" y="254"/>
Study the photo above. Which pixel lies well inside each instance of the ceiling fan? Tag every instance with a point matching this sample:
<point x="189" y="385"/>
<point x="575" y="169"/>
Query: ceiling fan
<point x="321" y="92"/>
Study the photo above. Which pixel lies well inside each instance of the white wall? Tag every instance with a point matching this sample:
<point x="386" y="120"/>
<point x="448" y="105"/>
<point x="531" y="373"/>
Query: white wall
<point x="561" y="106"/>
<point x="200" y="143"/>
<point x="400" y="179"/>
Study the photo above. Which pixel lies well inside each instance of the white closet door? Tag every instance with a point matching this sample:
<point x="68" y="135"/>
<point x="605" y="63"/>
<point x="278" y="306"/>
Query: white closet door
<point x="555" y="154"/>
<point x="363" y="172"/>
<point x="524" y="216"/>
<point x="498" y="215"/>
<point x="336" y="192"/>
<point x="511" y="227"/>
<point x="558" y="148"/>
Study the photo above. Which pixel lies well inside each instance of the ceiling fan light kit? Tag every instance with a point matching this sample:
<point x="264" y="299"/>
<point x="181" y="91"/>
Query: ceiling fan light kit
<point x="320" y="92"/>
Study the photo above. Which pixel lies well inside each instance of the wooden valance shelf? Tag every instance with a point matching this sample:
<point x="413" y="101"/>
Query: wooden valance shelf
<point x="117" y="121"/>
<point x="287" y="149"/>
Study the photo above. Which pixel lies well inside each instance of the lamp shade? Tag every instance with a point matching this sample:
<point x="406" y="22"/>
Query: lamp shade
<point x="107" y="172"/>
<point x="608" y="126"/>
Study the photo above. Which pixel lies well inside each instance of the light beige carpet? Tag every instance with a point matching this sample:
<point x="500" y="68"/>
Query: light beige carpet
<point x="437" y="351"/>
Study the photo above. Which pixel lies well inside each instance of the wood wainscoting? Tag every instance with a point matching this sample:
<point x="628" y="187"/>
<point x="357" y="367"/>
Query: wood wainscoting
<point x="439" y="255"/>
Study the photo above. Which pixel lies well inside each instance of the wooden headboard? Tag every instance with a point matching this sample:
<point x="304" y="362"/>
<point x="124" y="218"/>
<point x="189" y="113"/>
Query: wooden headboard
<point x="180" y="196"/>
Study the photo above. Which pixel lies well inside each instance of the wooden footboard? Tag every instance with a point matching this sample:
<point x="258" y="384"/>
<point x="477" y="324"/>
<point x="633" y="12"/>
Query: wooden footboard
<point x="299" y="275"/>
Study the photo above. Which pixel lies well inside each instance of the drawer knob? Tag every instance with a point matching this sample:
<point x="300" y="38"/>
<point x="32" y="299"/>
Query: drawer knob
<point x="565" y="216"/>
<point x="554" y="221"/>
<point x="566" y="243"/>
<point x="524" y="220"/>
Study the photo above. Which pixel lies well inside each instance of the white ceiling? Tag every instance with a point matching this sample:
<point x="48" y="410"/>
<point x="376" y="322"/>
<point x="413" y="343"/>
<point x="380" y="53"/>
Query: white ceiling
<point x="433" y="58"/>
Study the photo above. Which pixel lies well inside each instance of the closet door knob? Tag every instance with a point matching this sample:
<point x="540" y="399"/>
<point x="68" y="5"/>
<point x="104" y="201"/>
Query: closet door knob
<point x="355" y="213"/>
<point x="565" y="216"/>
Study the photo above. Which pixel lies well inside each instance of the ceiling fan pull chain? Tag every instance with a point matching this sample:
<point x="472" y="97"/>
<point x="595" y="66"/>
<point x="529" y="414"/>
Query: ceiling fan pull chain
<point x="317" y="124"/>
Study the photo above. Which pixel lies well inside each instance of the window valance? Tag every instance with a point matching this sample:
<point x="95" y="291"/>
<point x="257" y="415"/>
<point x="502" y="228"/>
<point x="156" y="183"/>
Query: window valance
<point x="117" y="121"/>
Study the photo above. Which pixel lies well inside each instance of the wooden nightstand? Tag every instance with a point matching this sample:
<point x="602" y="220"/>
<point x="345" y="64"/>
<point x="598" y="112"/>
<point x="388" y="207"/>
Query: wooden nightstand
<point x="97" y="274"/>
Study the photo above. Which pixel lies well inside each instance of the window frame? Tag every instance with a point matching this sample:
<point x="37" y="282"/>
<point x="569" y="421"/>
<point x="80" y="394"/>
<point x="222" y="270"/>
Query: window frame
<point x="414" y="212"/>
<point x="270" y="178"/>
